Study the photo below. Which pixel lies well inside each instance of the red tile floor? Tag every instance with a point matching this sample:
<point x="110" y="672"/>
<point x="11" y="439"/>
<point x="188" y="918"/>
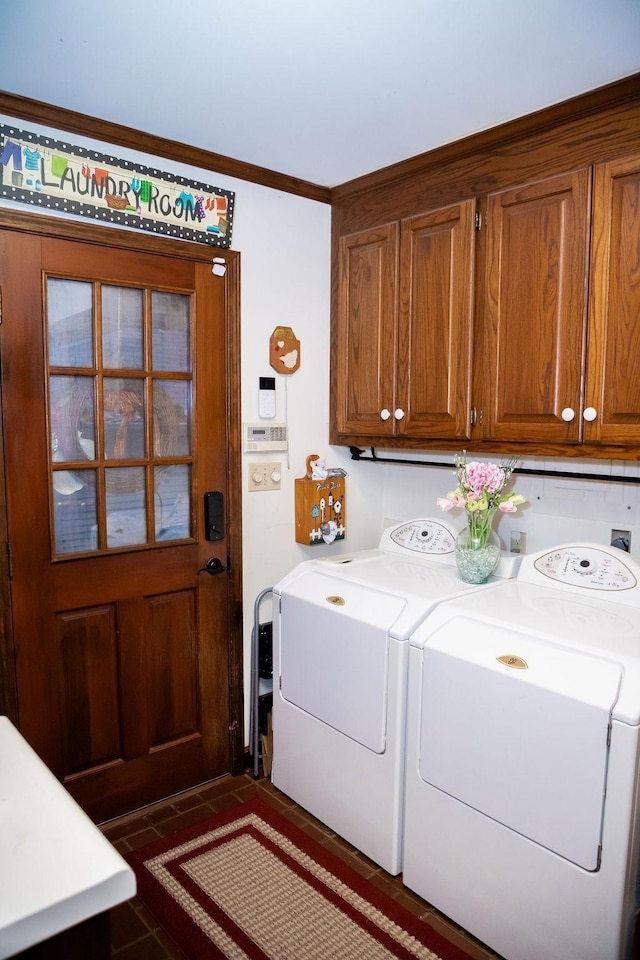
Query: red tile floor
<point x="135" y="935"/>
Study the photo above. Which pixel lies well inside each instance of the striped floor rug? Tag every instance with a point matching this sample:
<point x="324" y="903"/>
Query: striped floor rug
<point x="248" y="885"/>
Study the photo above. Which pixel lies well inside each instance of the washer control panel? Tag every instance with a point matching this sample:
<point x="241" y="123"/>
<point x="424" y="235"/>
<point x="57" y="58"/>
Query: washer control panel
<point x="587" y="566"/>
<point x="421" y="536"/>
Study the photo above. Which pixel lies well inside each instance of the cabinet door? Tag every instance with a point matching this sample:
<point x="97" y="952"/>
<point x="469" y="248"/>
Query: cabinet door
<point x="613" y="382"/>
<point x="365" y="351"/>
<point x="536" y="283"/>
<point x="435" y="323"/>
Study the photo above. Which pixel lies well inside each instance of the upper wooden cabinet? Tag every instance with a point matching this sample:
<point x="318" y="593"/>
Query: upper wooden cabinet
<point x="521" y="336"/>
<point x="562" y="329"/>
<point x="405" y="310"/>
<point x="364" y="350"/>
<point x="556" y="347"/>
<point x="613" y="347"/>
<point x="535" y="309"/>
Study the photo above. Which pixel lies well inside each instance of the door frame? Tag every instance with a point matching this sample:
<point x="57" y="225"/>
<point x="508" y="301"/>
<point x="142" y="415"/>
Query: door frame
<point x="147" y="243"/>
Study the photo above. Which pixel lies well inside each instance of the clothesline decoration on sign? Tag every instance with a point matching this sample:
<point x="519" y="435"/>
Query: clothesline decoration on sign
<point x="48" y="173"/>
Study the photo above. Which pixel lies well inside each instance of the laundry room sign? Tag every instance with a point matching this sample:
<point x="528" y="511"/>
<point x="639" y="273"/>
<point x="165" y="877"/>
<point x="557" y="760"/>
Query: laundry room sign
<point x="48" y="173"/>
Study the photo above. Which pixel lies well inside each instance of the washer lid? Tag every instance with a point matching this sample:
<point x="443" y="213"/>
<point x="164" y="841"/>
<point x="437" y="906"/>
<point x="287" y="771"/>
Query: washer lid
<point x="334" y="651"/>
<point x="517" y="728"/>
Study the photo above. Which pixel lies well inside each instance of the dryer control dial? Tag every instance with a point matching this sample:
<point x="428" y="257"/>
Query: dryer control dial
<point x="424" y="536"/>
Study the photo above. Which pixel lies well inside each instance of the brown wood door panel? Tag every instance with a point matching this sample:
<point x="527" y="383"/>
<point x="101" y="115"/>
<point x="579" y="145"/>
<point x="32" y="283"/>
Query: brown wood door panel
<point x="122" y="656"/>
<point x="613" y="381"/>
<point x="535" y="321"/>
<point x="364" y="369"/>
<point x="90" y="688"/>
<point x="435" y="323"/>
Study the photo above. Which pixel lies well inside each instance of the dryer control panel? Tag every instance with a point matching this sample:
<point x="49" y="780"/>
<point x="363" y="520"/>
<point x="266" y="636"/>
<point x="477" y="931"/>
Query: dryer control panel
<point x="587" y="566"/>
<point x="424" y="536"/>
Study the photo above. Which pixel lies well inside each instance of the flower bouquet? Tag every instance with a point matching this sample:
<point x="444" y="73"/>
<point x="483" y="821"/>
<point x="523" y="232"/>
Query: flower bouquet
<point x="480" y="491"/>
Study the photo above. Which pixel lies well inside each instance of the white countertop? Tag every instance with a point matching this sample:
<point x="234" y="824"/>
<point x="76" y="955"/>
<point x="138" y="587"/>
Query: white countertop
<point x="56" y="868"/>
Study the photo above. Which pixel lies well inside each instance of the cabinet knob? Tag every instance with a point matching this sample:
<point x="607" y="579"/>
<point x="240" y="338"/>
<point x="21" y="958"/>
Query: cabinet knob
<point x="385" y="414"/>
<point x="590" y="413"/>
<point x="398" y="414"/>
<point x="568" y="414"/>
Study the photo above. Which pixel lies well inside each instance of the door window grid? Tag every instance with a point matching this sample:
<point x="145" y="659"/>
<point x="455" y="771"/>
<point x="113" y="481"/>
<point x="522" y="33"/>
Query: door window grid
<point x="120" y="478"/>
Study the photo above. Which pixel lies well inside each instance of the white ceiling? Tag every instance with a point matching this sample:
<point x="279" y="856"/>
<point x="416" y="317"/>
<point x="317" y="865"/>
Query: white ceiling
<point x="323" y="91"/>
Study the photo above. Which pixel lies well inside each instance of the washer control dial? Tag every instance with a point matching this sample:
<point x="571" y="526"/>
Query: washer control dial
<point x="586" y="566"/>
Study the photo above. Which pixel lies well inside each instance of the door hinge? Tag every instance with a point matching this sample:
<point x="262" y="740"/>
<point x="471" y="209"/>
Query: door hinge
<point x="478" y="220"/>
<point x="9" y="562"/>
<point x="475" y="416"/>
<point x="0" y="304"/>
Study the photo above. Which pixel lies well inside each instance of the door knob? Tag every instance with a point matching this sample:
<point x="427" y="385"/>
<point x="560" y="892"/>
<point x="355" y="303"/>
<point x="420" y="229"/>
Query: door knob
<point x="385" y="414"/>
<point x="590" y="413"/>
<point x="568" y="414"/>
<point x="213" y="566"/>
<point x="398" y="414"/>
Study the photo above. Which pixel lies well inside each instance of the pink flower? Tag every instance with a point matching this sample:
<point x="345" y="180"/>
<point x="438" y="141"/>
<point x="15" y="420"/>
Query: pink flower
<point x="484" y="477"/>
<point x="480" y="487"/>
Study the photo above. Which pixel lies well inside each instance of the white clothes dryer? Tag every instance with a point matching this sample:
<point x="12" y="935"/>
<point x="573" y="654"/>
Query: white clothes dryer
<point x="340" y="653"/>
<point x="523" y="746"/>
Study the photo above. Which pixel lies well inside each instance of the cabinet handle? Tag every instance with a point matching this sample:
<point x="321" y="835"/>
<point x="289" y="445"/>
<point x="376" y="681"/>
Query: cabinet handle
<point x="568" y="414"/>
<point x="590" y="413"/>
<point x="385" y="414"/>
<point x="398" y="414"/>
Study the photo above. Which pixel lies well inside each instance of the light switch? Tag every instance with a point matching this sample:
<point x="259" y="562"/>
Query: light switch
<point x="264" y="476"/>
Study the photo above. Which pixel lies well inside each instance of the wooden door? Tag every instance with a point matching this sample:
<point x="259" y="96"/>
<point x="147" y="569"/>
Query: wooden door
<point x="114" y="374"/>
<point x="535" y="311"/>
<point x="613" y="380"/>
<point x="435" y="323"/>
<point x="363" y="352"/>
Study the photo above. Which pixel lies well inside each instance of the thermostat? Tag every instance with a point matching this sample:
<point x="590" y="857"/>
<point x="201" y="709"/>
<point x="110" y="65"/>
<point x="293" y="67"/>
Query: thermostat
<point x="260" y="437"/>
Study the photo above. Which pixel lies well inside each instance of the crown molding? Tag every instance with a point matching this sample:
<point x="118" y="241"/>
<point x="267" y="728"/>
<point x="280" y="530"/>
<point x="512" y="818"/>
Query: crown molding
<point x="60" y="118"/>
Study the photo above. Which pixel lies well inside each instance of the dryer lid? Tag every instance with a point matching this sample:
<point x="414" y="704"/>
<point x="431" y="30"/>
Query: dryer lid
<point x="517" y="728"/>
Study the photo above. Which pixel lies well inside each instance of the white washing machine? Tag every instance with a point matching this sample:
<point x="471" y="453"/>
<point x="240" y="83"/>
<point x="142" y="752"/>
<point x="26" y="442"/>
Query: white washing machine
<point x="340" y="654"/>
<point x="521" y="806"/>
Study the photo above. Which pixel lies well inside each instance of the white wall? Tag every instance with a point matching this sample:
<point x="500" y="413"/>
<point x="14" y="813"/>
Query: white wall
<point x="557" y="511"/>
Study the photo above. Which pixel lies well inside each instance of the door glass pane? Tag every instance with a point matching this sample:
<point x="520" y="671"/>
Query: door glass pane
<point x="72" y="418"/>
<point x="101" y="420"/>
<point x="122" y="327"/>
<point x="173" y="502"/>
<point x="70" y="323"/>
<point x="124" y="421"/>
<point x="172" y="418"/>
<point x="170" y="314"/>
<point x="74" y="511"/>
<point x="126" y="506"/>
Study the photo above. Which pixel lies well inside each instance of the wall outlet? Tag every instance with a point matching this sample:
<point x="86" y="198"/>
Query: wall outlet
<point x="518" y="542"/>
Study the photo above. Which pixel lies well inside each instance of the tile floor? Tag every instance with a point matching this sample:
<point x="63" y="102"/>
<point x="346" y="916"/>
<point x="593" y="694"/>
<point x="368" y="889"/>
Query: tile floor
<point x="135" y="935"/>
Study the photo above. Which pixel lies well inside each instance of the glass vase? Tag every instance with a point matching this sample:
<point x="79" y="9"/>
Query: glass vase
<point x="477" y="547"/>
